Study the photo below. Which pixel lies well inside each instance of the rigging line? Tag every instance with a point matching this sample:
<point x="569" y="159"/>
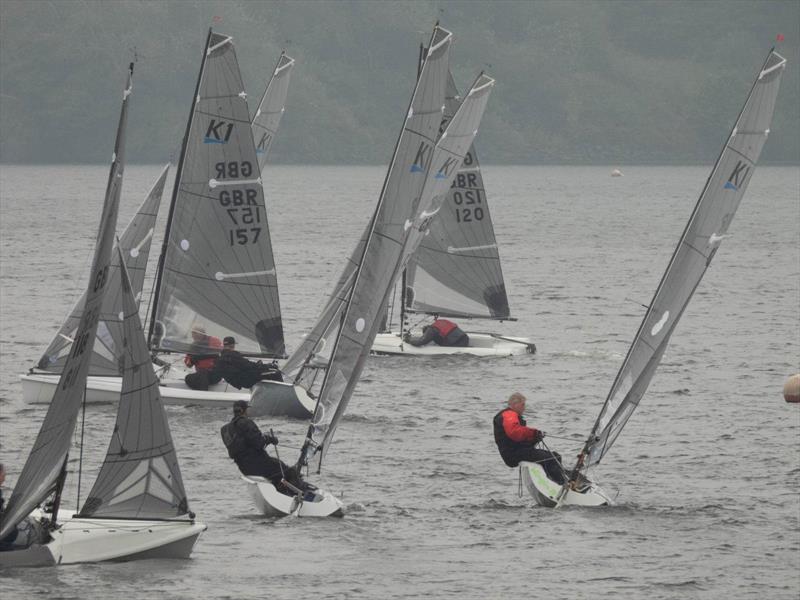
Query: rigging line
<point x="553" y="458"/>
<point x="80" y="455"/>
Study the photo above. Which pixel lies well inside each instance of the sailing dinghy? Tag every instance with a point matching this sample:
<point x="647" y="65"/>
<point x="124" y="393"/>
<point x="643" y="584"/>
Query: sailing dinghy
<point x="455" y="271"/>
<point x="229" y="237"/>
<point x="216" y="270"/>
<point x="707" y="227"/>
<point x="137" y="507"/>
<point x="422" y="169"/>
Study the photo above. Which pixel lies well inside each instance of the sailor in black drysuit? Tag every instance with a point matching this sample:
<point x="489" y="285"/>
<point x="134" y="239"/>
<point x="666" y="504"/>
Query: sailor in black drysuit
<point x="241" y="372"/>
<point x="247" y="447"/>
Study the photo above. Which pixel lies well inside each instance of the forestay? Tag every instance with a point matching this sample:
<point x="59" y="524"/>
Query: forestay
<point x="217" y="271"/>
<point x="271" y="108"/>
<point x="383" y="252"/>
<point x="705" y="231"/>
<point x="456" y="270"/>
<point x="107" y="346"/>
<point x="140" y="477"/>
<point x="48" y="456"/>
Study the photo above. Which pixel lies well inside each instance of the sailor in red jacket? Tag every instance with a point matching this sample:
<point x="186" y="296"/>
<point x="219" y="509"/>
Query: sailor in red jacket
<point x="441" y="331"/>
<point x="202" y="356"/>
<point x="517" y="442"/>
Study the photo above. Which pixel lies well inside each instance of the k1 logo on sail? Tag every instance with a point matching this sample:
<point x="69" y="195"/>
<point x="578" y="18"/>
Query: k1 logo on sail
<point x="218" y="132"/>
<point x="422" y="161"/>
<point x="738" y="176"/>
<point x="263" y="143"/>
<point x="447" y="168"/>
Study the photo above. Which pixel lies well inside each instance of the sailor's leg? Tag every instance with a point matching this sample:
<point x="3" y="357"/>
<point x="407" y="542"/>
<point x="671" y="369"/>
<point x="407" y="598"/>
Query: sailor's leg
<point x="550" y="461"/>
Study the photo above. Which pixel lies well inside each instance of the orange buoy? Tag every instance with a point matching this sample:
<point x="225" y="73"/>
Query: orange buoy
<point x="791" y="389"/>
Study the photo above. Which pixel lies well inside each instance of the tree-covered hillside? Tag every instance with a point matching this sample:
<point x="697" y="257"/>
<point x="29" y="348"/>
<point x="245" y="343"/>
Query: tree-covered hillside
<point x="611" y="82"/>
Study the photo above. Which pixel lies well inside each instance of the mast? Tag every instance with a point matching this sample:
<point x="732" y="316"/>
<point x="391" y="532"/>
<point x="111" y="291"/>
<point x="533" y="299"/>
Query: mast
<point x="420" y="61"/>
<point x="175" y="188"/>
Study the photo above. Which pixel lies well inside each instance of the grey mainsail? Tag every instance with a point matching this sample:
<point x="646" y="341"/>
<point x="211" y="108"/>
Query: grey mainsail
<point x="456" y="269"/>
<point x="140" y="477"/>
<point x="217" y="271"/>
<point x="706" y="228"/>
<point x="384" y="245"/>
<point x="135" y="241"/>
<point x="49" y="453"/>
<point x="271" y="108"/>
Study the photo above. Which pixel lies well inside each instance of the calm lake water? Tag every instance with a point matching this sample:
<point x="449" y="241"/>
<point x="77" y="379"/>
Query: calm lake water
<point x="707" y="472"/>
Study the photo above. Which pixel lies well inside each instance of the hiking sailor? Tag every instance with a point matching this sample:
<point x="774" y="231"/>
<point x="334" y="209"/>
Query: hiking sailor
<point x="517" y="442"/>
<point x="442" y="332"/>
<point x="247" y="447"/>
<point x="240" y="372"/>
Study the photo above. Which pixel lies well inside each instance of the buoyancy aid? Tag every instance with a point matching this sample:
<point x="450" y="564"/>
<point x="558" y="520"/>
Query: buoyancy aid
<point x="443" y="326"/>
<point x="205" y="361"/>
<point x="505" y="444"/>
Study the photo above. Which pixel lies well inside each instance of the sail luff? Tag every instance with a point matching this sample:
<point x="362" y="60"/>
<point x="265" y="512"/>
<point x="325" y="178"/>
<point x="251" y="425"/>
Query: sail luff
<point x="136" y="241"/>
<point x="698" y="244"/>
<point x="140" y="476"/>
<point x="52" y="444"/>
<point x="174" y="198"/>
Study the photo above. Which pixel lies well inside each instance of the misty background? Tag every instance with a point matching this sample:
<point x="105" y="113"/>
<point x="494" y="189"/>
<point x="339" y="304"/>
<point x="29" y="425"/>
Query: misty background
<point x="612" y="82"/>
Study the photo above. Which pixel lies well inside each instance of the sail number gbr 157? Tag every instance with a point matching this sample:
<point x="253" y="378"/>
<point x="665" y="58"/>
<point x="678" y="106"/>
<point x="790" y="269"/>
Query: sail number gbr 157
<point x="242" y="208"/>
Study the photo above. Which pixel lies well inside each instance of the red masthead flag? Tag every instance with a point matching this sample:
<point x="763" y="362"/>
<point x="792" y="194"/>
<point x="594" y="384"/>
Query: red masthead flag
<point x="779" y="37"/>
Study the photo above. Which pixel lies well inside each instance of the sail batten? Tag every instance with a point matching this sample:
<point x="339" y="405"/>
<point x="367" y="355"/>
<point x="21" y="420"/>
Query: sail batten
<point x="51" y="447"/>
<point x="705" y="230"/>
<point x="217" y="271"/>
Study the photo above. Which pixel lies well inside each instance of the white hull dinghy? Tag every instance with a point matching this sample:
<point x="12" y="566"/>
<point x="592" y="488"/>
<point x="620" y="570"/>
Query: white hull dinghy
<point x="480" y="344"/>
<point x="137" y="506"/>
<point x="548" y="493"/>
<point x="272" y="503"/>
<point x="274" y="398"/>
<point x="82" y="540"/>
<point x="453" y="269"/>
<point x="205" y="264"/>
<point x="699" y="243"/>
